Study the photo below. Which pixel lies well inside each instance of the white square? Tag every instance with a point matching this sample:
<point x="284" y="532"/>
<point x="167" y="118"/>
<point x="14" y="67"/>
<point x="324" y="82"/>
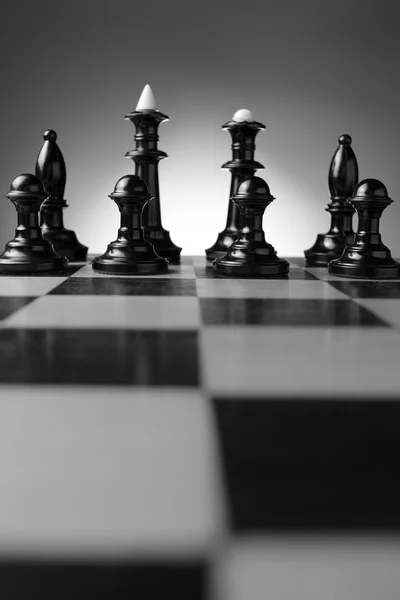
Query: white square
<point x="299" y="361"/>
<point x="28" y="286"/>
<point x="387" y="309"/>
<point x="290" y="289"/>
<point x="323" y="274"/>
<point x="174" y="272"/>
<point x="107" y="471"/>
<point x="308" y="568"/>
<point x="108" y="312"/>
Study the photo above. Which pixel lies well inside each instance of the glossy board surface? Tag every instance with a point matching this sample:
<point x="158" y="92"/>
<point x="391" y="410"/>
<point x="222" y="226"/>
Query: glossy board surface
<point x="195" y="436"/>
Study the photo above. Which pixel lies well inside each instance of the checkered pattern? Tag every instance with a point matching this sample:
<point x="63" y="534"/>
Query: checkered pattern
<point x="188" y="436"/>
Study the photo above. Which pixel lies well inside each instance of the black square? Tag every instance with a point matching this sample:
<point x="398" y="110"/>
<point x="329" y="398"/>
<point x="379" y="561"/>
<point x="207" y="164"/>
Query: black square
<point x="296" y="273"/>
<point x="286" y="312"/>
<point x="186" y="260"/>
<point x="310" y="465"/>
<point x="368" y="289"/>
<point x="205" y="272"/>
<point x="70" y="270"/>
<point x="10" y="304"/>
<point x="296" y="260"/>
<point x="120" y="286"/>
<point x="110" y="357"/>
<point x="105" y="580"/>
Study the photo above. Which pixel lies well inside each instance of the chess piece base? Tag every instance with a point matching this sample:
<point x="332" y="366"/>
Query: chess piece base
<point x="365" y="268"/>
<point x="122" y="268"/>
<point x="163" y="245"/>
<point x="327" y="247"/>
<point x="25" y="260"/>
<point x="224" y="241"/>
<point x="233" y="268"/>
<point x="128" y="261"/>
<point x="66" y="244"/>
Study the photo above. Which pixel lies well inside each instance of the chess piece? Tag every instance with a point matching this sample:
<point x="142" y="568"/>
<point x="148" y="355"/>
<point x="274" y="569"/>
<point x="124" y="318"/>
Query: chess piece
<point x="343" y="177"/>
<point x="146" y="157"/>
<point x="367" y="257"/>
<point x="131" y="253"/>
<point x="50" y="167"/>
<point x="29" y="252"/>
<point x="243" y="130"/>
<point x="250" y="255"/>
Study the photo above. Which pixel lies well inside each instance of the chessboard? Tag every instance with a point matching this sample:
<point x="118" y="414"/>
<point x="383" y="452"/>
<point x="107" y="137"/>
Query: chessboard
<point x="188" y="436"/>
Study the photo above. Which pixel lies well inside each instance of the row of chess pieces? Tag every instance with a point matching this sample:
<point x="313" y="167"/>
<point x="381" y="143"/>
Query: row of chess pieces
<point x="42" y="243"/>
<point x="345" y="253"/>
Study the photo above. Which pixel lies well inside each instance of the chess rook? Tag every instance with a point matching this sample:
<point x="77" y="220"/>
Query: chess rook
<point x="250" y="255"/>
<point x="343" y="177"/>
<point x="242" y="165"/>
<point x="367" y="257"/>
<point x="131" y="253"/>
<point x="50" y="168"/>
<point x="29" y="252"/>
<point x="146" y="156"/>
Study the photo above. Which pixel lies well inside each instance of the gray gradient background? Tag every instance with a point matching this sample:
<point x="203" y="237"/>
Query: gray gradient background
<point x="310" y="70"/>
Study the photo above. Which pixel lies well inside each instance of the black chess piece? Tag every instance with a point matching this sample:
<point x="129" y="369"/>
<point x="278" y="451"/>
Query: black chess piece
<point x="29" y="252"/>
<point x="343" y="177"/>
<point x="50" y="167"/>
<point x="250" y="255"/>
<point x="146" y="157"/>
<point x="241" y="166"/>
<point x="367" y="257"/>
<point x="131" y="253"/>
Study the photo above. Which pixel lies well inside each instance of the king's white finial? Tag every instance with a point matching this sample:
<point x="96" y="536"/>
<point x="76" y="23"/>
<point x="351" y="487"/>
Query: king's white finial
<point x="147" y="102"/>
<point x="243" y="115"/>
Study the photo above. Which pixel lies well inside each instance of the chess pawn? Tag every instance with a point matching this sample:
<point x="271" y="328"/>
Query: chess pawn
<point x="131" y="253"/>
<point x="343" y="177"/>
<point x="367" y="257"/>
<point x="50" y="167"/>
<point x="29" y="252"/>
<point x="146" y="156"/>
<point x="250" y="255"/>
<point x="243" y="130"/>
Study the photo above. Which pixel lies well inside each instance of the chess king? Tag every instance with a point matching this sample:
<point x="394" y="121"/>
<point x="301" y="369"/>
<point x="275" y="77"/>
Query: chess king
<point x="146" y="156"/>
